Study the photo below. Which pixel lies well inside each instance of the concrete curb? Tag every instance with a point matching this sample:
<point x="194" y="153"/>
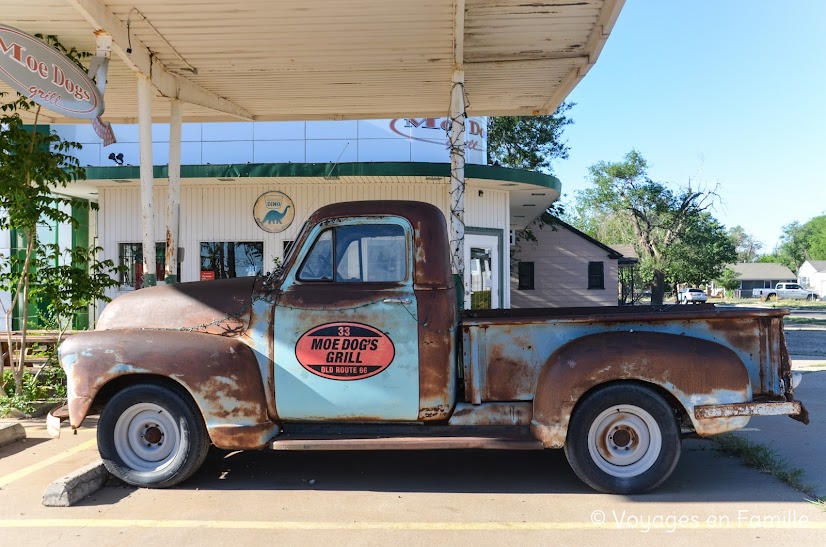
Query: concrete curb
<point x="10" y="433"/>
<point x="75" y="486"/>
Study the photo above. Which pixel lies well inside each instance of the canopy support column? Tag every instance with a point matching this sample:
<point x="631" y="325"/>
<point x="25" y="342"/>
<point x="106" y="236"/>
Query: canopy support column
<point x="173" y="195"/>
<point x="147" y="183"/>
<point x="457" y="144"/>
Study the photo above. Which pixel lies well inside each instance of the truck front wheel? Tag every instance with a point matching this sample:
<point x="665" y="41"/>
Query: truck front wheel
<point x="151" y="436"/>
<point x="623" y="439"/>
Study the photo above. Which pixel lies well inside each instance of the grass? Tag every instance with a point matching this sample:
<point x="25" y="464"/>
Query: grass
<point x="806" y="321"/>
<point x="796" y="304"/>
<point x="765" y="458"/>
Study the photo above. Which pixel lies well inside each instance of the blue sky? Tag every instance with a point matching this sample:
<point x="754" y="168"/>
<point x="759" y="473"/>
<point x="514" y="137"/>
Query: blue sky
<point x="727" y="92"/>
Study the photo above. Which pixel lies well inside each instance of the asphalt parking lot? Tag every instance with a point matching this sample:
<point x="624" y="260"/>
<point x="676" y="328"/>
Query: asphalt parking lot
<point x="419" y="498"/>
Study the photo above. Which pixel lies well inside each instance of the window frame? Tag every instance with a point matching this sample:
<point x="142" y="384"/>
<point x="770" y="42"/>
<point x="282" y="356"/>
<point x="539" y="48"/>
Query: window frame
<point x="529" y="265"/>
<point x="318" y="230"/>
<point x="596" y="281"/>
<point x="226" y="243"/>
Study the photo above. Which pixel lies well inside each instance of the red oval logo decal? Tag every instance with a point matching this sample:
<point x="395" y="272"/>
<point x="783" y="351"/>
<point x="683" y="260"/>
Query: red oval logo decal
<point x="345" y="351"/>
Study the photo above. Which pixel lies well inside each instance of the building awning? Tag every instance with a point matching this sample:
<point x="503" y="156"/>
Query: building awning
<point x="320" y="59"/>
<point x="530" y="192"/>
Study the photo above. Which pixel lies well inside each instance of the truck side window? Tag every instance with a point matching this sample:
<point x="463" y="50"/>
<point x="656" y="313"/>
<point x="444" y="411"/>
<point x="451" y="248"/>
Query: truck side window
<point x="363" y="253"/>
<point x="370" y="253"/>
<point x="318" y="266"/>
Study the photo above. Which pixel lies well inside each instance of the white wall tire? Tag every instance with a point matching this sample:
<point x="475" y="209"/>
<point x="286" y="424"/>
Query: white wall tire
<point x="623" y="439"/>
<point x="152" y="436"/>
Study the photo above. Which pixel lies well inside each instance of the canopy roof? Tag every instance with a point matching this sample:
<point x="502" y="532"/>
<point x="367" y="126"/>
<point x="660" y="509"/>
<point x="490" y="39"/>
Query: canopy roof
<point x="330" y="59"/>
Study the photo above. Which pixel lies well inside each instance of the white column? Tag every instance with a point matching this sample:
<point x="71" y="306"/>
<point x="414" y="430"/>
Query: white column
<point x="173" y="199"/>
<point x="147" y="186"/>
<point x="457" y="173"/>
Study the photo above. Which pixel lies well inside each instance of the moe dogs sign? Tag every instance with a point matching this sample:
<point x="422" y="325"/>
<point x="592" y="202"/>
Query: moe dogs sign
<point x="345" y="351"/>
<point x="44" y="75"/>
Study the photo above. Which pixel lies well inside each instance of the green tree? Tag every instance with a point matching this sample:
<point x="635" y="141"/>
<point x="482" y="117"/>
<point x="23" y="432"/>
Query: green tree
<point x="35" y="166"/>
<point x="747" y="245"/>
<point x="662" y="220"/>
<point x="528" y="142"/>
<point x="728" y="279"/>
<point x="701" y="254"/>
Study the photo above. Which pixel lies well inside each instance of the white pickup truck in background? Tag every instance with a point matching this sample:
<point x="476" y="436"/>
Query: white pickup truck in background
<point x="785" y="291"/>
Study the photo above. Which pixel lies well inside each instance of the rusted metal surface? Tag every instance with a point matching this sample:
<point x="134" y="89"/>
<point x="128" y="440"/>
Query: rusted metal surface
<point x="769" y="408"/>
<point x="488" y="414"/>
<point x="693" y="371"/>
<point x="437" y="316"/>
<point x="408" y="443"/>
<point x="220" y="373"/>
<point x="215" y="307"/>
<point x="259" y="337"/>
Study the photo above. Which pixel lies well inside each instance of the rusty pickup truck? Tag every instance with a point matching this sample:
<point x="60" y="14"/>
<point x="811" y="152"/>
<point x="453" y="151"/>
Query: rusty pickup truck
<point x="358" y="343"/>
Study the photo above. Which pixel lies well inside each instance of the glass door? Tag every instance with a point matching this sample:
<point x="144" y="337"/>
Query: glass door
<point x="482" y="272"/>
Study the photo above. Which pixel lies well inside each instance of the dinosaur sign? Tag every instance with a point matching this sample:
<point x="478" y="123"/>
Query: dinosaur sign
<point x="274" y="212"/>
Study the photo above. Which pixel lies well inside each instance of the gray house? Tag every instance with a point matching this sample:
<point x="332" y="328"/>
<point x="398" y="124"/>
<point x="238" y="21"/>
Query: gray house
<point x="761" y="275"/>
<point x="563" y="268"/>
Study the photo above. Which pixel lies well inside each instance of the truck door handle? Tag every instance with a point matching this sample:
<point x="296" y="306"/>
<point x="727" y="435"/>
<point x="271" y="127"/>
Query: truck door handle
<point x="397" y="301"/>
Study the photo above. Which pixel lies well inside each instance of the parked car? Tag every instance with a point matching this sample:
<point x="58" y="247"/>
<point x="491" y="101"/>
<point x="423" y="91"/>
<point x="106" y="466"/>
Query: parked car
<point x="785" y="291"/>
<point x="692" y="296"/>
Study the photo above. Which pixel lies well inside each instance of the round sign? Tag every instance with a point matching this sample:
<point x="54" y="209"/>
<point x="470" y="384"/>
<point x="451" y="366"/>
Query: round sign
<point x="47" y="77"/>
<point x="274" y="212"/>
<point x="345" y="351"/>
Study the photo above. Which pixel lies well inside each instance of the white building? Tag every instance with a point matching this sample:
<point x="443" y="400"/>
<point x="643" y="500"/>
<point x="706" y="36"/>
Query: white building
<point x="229" y="167"/>
<point x="812" y="276"/>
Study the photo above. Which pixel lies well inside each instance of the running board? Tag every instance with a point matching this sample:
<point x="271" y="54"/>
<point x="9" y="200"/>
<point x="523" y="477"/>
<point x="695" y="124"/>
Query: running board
<point x="406" y="439"/>
<point x="406" y="443"/>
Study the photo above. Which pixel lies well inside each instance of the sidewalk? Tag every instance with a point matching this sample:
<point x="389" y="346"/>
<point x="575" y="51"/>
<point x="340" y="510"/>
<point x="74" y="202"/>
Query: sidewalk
<point x="802" y="446"/>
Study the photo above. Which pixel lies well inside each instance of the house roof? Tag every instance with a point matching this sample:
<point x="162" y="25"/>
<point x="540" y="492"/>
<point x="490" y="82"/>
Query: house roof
<point x="629" y="254"/>
<point x="315" y="59"/>
<point x="754" y="271"/>
<point x="818" y="265"/>
<point x="547" y="218"/>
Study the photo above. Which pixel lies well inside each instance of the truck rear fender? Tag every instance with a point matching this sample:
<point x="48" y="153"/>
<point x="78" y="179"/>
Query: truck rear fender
<point x="219" y="373"/>
<point x="692" y="371"/>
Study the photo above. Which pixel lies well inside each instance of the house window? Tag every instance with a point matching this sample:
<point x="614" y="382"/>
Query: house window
<point x="287" y="245"/>
<point x="130" y="256"/>
<point x="525" y="276"/>
<point x="226" y="259"/>
<point x="596" y="275"/>
<point x="369" y="253"/>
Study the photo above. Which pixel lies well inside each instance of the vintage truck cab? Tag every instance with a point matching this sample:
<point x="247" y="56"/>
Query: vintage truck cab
<point x="358" y="343"/>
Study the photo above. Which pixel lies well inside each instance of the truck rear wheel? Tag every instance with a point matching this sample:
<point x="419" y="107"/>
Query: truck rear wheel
<point x="150" y="435"/>
<point x="623" y="439"/>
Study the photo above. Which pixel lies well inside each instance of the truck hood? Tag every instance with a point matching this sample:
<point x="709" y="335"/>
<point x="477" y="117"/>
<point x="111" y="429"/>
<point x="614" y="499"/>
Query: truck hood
<point x="216" y="307"/>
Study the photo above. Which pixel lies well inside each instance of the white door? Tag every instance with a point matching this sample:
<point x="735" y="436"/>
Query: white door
<point x="482" y="272"/>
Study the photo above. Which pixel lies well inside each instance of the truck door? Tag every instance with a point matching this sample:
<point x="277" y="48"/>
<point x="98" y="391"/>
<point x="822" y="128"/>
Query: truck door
<point x="346" y="334"/>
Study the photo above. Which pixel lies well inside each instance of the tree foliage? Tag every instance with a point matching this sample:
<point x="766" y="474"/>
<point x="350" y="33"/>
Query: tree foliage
<point x="528" y="142"/>
<point x="801" y="242"/>
<point x="676" y="237"/>
<point x="34" y="166"/>
<point x="747" y="246"/>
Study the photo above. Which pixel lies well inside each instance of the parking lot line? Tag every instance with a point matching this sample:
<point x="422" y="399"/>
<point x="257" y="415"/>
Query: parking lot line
<point x="401" y="526"/>
<point x="11" y="477"/>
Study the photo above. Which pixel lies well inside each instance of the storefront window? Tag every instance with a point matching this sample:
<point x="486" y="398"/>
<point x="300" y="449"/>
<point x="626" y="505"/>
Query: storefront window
<point x="225" y="259"/>
<point x="131" y="257"/>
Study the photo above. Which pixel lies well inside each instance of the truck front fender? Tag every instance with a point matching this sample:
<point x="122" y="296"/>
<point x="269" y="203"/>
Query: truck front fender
<point x="694" y="371"/>
<point x="220" y="373"/>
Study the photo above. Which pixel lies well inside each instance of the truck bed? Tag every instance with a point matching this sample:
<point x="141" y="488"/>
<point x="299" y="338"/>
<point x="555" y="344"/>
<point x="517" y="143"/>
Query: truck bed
<point x="505" y="350"/>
